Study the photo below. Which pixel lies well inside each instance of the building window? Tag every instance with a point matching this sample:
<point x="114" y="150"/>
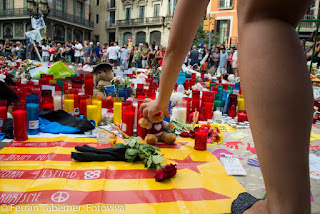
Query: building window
<point x="112" y="3"/>
<point x="97" y="18"/>
<point x="126" y="36"/>
<point x="156" y="12"/>
<point x="155" y="36"/>
<point x="223" y="27"/>
<point x="225" y="4"/>
<point x="59" y="33"/>
<point x="80" y="9"/>
<point x="140" y="37"/>
<point x="78" y="35"/>
<point x="112" y="37"/>
<point x="7" y="31"/>
<point x="19" y="30"/>
<point x="69" y="34"/>
<point x="128" y="13"/>
<point x="112" y="18"/>
<point x="97" y="2"/>
<point x="60" y="5"/>
<point x="6" y="4"/>
<point x="141" y="12"/>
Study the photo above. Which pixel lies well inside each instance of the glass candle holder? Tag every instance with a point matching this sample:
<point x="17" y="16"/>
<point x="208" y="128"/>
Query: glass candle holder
<point x="19" y="114"/>
<point x="92" y="109"/>
<point x="83" y="104"/>
<point x="208" y="110"/>
<point x="128" y="119"/>
<point x="88" y="84"/>
<point x="186" y="103"/>
<point x="3" y="112"/>
<point x="69" y="104"/>
<point x="33" y="113"/>
<point x="57" y="100"/>
<point x="195" y="100"/>
<point x="201" y="141"/>
<point x="47" y="103"/>
<point x="117" y="110"/>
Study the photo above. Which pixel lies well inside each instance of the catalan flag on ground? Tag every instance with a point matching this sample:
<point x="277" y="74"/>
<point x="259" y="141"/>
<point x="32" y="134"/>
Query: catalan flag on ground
<point x="39" y="176"/>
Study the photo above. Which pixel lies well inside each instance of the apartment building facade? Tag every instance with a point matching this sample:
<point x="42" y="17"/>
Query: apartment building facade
<point x="68" y="20"/>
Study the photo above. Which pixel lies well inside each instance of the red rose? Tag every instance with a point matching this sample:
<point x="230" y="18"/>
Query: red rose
<point x="165" y="173"/>
<point x="184" y="134"/>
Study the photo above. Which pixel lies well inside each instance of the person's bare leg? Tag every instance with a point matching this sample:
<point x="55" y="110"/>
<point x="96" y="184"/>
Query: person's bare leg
<point x="278" y="95"/>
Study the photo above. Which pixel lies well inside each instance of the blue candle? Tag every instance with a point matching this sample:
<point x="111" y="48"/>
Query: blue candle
<point x="33" y="114"/>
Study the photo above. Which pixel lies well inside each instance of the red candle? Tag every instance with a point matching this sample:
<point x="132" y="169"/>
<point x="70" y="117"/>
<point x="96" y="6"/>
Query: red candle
<point x="83" y="104"/>
<point x="141" y="132"/>
<point x="88" y="84"/>
<point x="3" y="112"/>
<point x="195" y="100"/>
<point x="201" y="141"/>
<point x="20" y="129"/>
<point x="128" y="120"/>
<point x="208" y="110"/>
<point x="242" y="117"/>
<point x="47" y="103"/>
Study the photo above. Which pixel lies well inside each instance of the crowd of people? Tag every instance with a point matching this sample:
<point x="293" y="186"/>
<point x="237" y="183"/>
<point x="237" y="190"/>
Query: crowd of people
<point x="218" y="59"/>
<point x="140" y="56"/>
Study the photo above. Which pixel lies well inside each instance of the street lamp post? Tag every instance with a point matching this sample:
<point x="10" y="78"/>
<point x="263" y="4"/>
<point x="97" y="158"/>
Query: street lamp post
<point x="38" y="8"/>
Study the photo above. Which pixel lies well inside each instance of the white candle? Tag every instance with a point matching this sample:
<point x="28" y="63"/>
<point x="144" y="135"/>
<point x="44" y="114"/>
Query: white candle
<point x="174" y="113"/>
<point x="181" y="114"/>
<point x="57" y="100"/>
<point x="217" y="115"/>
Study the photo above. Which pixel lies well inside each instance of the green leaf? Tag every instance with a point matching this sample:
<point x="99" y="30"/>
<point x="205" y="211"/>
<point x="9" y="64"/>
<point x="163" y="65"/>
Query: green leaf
<point x="156" y="148"/>
<point x="127" y="156"/>
<point x="137" y="138"/>
<point x="132" y="158"/>
<point x="157" y="159"/>
<point x="132" y="151"/>
<point x="119" y="146"/>
<point x="149" y="162"/>
<point x="132" y="143"/>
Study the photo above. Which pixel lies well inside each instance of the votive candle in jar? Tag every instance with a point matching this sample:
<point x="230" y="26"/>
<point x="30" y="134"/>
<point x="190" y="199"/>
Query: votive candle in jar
<point x="201" y="141"/>
<point x="117" y="110"/>
<point x="19" y="114"/>
<point x="69" y="104"/>
<point x="33" y="113"/>
<point x="57" y="100"/>
<point x="128" y="119"/>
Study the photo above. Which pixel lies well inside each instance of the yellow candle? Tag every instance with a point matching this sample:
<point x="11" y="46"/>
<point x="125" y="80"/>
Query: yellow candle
<point x="69" y="106"/>
<point x="241" y="105"/>
<point x="99" y="105"/>
<point x="92" y="113"/>
<point x="117" y="112"/>
<point x="52" y="82"/>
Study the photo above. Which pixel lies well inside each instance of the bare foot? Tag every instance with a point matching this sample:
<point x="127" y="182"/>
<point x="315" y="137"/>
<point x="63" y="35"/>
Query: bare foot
<point x="259" y="207"/>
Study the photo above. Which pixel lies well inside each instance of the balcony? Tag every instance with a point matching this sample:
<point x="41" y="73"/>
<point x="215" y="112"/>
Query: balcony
<point x="141" y="22"/>
<point x="110" y="25"/>
<point x="225" y="4"/>
<point x="308" y="26"/>
<point x="111" y="5"/>
<point x="21" y="12"/>
<point x="63" y="16"/>
<point x="54" y="14"/>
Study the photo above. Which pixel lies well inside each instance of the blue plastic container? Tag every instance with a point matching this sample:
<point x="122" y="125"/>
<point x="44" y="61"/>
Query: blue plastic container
<point x="33" y="114"/>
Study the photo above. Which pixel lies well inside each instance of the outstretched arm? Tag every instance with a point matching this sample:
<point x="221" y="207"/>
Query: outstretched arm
<point x="188" y="13"/>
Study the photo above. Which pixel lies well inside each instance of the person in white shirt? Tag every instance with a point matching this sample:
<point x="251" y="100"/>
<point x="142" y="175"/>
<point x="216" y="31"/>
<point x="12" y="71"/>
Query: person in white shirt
<point x="45" y="52"/>
<point x="124" y="56"/>
<point x="235" y="62"/>
<point x="77" y="51"/>
<point x="112" y="53"/>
